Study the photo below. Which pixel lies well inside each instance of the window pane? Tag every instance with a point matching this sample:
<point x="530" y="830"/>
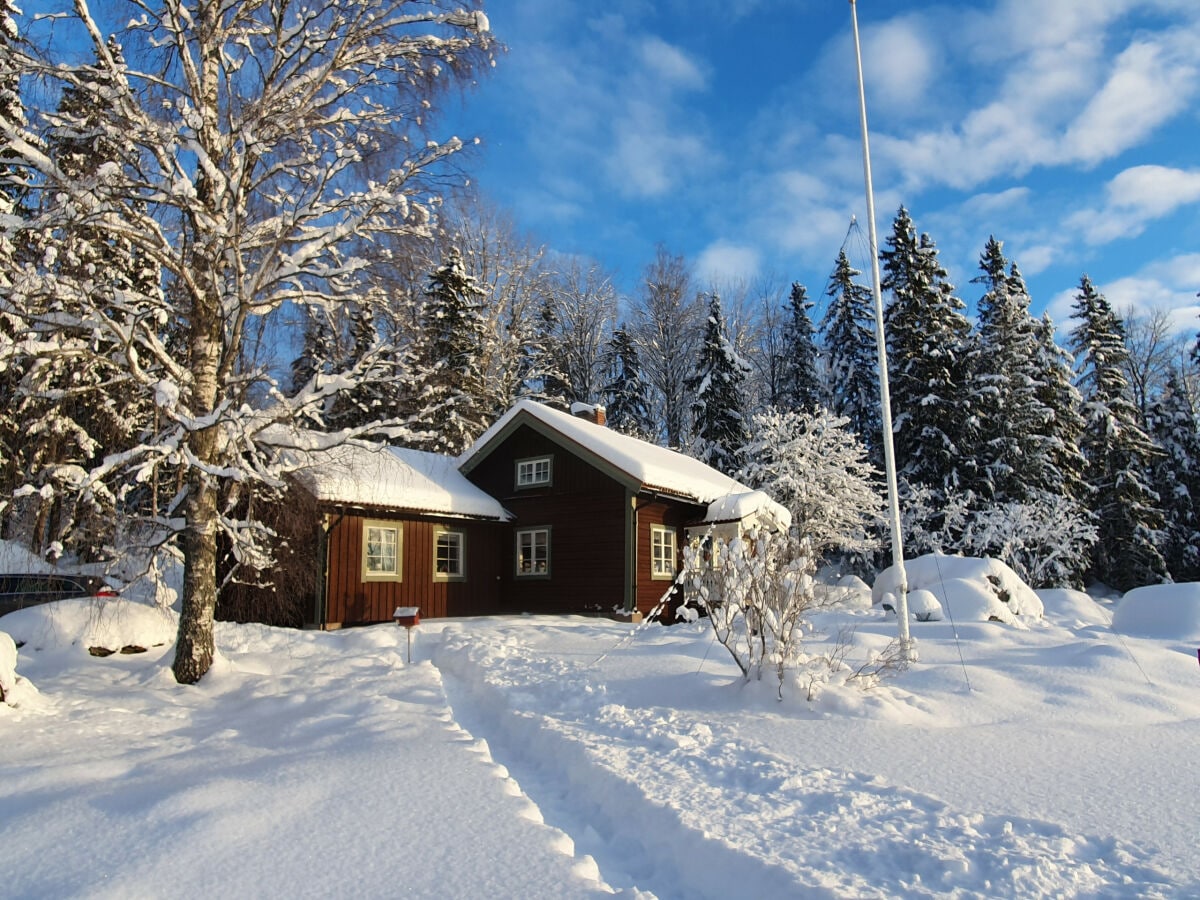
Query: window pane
<point x="533" y="471"/>
<point x="662" y="551"/>
<point x="381" y="550"/>
<point x="533" y="552"/>
<point x="449" y="553"/>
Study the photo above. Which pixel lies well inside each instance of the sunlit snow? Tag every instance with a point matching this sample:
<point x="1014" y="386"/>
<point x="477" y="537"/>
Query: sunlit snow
<point x="573" y="757"/>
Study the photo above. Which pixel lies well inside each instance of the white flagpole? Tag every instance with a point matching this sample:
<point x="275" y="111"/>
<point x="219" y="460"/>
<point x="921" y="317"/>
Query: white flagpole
<point x="885" y="401"/>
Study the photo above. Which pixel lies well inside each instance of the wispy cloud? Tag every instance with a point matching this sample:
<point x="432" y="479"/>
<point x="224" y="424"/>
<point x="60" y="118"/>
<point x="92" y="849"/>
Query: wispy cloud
<point x="1134" y="198"/>
<point x="1053" y="101"/>
<point x="1152" y="80"/>
<point x="1167" y="285"/>
<point x="724" y="262"/>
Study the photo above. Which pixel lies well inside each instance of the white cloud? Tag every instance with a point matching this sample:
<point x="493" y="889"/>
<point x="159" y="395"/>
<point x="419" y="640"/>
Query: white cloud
<point x="1036" y="258"/>
<point x="649" y="157"/>
<point x="898" y="62"/>
<point x="670" y="65"/>
<point x="988" y="204"/>
<point x="1167" y="285"/>
<point x="1136" y="197"/>
<point x="724" y="262"/>
<point x="1056" y="97"/>
<point x="1151" y="82"/>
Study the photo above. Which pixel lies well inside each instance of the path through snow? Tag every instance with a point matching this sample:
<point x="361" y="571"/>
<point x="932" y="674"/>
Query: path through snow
<point x="683" y="806"/>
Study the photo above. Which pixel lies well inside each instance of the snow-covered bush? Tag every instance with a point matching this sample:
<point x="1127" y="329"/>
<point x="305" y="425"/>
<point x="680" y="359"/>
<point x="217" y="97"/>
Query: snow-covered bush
<point x="1168" y="611"/>
<point x="1046" y="541"/>
<point x="814" y="465"/>
<point x="967" y="588"/>
<point x="756" y="591"/>
<point x="12" y="685"/>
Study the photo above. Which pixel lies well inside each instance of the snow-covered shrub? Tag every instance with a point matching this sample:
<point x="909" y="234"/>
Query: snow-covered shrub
<point x="814" y="465"/>
<point x="12" y="685"/>
<point x="924" y="607"/>
<point x="1046" y="541"/>
<point x="756" y="591"/>
<point x="966" y="588"/>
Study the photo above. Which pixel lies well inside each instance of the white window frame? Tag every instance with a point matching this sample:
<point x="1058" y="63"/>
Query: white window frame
<point x="459" y="557"/>
<point x="533" y="571"/>
<point x="663" y="552"/>
<point x="536" y="471"/>
<point x="382" y="530"/>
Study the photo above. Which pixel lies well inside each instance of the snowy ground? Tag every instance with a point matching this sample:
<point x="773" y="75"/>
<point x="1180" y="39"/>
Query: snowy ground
<point x="540" y="757"/>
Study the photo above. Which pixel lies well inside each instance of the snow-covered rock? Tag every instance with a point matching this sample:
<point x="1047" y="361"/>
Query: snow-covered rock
<point x="109" y="624"/>
<point x="924" y="607"/>
<point x="966" y="588"/>
<point x="1170" y="611"/>
<point x="8" y="663"/>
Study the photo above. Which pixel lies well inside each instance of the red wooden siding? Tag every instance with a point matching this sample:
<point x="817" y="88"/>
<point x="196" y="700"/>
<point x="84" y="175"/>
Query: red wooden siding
<point x="671" y="514"/>
<point x="351" y="601"/>
<point x="586" y="513"/>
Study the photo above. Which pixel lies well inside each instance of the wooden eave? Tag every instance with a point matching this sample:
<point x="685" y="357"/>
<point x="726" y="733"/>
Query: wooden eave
<point x="396" y="512"/>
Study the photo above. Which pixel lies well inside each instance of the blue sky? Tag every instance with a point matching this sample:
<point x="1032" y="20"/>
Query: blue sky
<point x="728" y="131"/>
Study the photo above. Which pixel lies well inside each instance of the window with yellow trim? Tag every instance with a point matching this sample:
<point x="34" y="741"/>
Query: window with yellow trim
<point x="662" y="552"/>
<point x="381" y="552"/>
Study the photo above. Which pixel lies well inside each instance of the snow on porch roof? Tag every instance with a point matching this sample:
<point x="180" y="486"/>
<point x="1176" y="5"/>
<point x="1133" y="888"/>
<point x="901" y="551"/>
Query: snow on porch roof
<point x="748" y="505"/>
<point x="650" y="466"/>
<point x="384" y="477"/>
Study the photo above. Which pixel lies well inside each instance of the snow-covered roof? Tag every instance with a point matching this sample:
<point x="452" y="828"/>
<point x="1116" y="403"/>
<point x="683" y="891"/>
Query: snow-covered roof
<point x="651" y="467"/>
<point x="748" y="505"/>
<point x="380" y="476"/>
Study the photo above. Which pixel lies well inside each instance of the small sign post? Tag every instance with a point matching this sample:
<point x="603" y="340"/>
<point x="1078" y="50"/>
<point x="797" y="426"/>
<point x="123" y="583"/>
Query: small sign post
<point x="409" y="617"/>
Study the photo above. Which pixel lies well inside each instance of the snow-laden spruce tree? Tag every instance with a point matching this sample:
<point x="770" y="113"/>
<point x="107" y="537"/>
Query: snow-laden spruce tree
<point x="269" y="144"/>
<point x="1004" y="381"/>
<point x="1119" y="454"/>
<point x="75" y="407"/>
<point x="718" y="397"/>
<point x="1173" y="427"/>
<point x="929" y="340"/>
<point x="449" y="352"/>
<point x="625" y="393"/>
<point x="542" y="375"/>
<point x="848" y="332"/>
<point x="800" y="387"/>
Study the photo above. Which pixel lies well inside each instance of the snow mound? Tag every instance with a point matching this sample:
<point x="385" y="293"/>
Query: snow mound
<point x="110" y="624"/>
<point x="1073" y="607"/>
<point x="924" y="607"/>
<point x="848" y="592"/>
<point x="14" y="690"/>
<point x="1170" y="611"/>
<point x="967" y="588"/>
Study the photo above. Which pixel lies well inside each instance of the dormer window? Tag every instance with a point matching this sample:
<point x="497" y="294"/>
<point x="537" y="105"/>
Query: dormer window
<point x="533" y="472"/>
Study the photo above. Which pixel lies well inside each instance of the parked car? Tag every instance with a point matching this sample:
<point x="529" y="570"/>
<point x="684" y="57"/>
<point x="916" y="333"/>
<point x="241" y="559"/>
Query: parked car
<point x="29" y="589"/>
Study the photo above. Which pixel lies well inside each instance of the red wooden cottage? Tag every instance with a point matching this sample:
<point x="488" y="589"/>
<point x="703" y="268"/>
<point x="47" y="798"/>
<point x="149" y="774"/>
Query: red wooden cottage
<point x="401" y="528"/>
<point x="598" y="518"/>
<point x="546" y="513"/>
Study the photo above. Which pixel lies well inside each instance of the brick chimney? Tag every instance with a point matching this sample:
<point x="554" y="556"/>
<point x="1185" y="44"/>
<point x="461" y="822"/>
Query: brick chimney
<point x="593" y="412"/>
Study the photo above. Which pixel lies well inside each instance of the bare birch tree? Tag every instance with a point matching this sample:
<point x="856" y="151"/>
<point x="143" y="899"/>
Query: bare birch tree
<point x="270" y="144"/>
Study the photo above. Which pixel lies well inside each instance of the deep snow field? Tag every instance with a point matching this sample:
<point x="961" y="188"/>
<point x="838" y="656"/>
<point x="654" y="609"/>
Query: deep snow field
<point x="568" y="757"/>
